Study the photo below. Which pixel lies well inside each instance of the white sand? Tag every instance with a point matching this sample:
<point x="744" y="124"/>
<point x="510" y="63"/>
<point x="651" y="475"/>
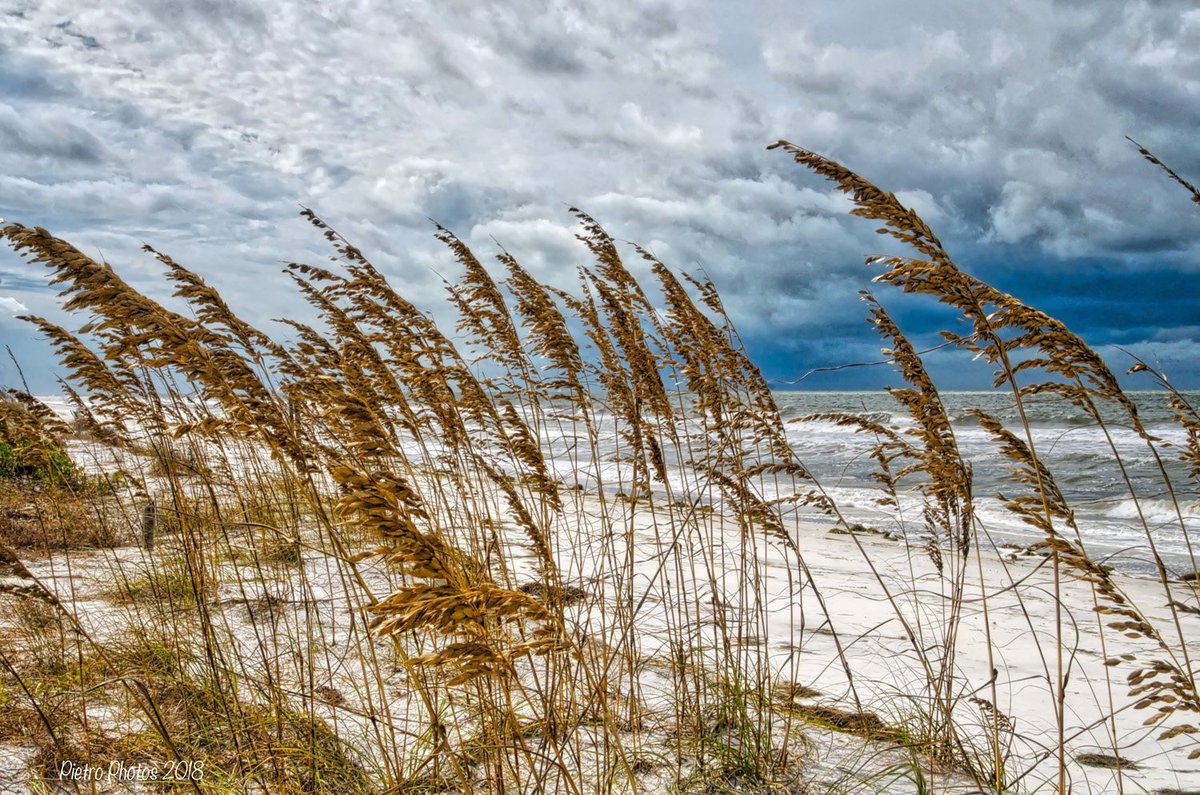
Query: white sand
<point x="888" y="674"/>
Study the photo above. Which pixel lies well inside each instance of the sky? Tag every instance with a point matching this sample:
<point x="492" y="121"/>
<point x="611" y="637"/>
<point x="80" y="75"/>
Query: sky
<point x="202" y="127"/>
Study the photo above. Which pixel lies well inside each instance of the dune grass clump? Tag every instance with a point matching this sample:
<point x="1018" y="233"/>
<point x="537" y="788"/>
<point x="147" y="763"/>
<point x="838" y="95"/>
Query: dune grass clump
<point x="565" y="548"/>
<point x="29" y="441"/>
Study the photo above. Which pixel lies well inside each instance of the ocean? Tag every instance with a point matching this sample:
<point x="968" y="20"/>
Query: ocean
<point x="1072" y="447"/>
<point x="1070" y="444"/>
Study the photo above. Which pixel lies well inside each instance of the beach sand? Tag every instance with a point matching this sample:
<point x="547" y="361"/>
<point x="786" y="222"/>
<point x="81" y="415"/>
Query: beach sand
<point x="861" y="611"/>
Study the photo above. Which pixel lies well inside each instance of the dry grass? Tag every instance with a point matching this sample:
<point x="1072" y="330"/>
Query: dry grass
<point x="389" y="559"/>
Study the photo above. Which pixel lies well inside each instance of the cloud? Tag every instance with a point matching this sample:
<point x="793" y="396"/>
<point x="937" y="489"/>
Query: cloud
<point x="12" y="305"/>
<point x="1013" y="114"/>
<point x="200" y="128"/>
<point x="34" y="134"/>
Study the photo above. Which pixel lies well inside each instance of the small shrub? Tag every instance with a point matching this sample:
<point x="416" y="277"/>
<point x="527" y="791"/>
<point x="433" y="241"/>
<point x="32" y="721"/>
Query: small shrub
<point x="40" y="460"/>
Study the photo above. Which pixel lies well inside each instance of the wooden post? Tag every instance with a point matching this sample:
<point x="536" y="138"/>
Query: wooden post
<point x="149" y="520"/>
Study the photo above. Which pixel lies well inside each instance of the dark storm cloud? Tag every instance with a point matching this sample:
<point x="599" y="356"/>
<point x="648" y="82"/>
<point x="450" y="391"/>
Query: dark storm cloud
<point x="199" y="127"/>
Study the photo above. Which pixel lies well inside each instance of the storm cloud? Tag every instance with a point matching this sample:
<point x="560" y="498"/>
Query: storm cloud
<point x="199" y="127"/>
